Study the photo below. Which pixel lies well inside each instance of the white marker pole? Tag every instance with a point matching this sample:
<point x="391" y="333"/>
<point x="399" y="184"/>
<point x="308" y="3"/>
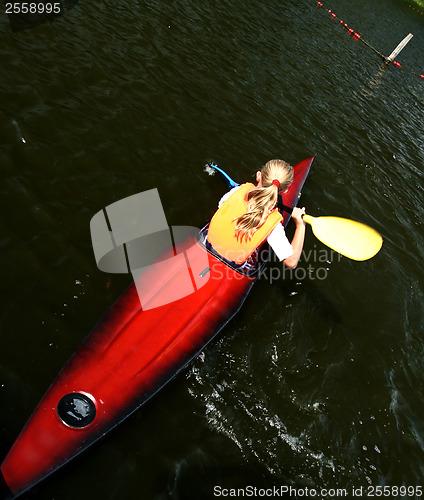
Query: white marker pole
<point x="398" y="49"/>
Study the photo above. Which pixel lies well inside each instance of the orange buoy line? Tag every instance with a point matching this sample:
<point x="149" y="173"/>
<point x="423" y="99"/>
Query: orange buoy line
<point x="417" y="10"/>
<point x="356" y="36"/>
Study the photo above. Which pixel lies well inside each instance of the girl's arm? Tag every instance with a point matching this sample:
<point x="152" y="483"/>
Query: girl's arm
<point x="298" y="238"/>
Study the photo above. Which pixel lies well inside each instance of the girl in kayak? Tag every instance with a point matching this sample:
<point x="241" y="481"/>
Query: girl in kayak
<point x="247" y="216"/>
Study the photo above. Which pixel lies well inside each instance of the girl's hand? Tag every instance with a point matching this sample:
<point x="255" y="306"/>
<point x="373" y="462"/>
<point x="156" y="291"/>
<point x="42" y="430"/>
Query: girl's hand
<point x="298" y="214"/>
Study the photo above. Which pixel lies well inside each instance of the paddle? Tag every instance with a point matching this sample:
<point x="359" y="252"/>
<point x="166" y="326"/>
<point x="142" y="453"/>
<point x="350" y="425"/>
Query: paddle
<point x="350" y="238"/>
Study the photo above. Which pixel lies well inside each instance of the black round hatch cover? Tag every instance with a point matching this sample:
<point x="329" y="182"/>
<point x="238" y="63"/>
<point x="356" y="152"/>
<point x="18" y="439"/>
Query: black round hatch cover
<point x="76" y="410"/>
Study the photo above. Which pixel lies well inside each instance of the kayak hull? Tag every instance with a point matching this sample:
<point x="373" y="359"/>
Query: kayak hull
<point x="131" y="353"/>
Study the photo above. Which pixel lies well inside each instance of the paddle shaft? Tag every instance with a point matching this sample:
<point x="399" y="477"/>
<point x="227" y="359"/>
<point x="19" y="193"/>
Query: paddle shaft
<point x="281" y="206"/>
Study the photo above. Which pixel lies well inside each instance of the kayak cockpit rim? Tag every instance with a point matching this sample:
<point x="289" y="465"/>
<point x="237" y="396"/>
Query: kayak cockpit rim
<point x="264" y="255"/>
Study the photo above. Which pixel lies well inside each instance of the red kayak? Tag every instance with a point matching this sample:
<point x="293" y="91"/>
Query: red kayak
<point x="131" y="354"/>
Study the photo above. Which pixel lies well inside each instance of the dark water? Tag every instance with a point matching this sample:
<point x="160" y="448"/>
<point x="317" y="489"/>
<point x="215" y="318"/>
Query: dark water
<point x="318" y="382"/>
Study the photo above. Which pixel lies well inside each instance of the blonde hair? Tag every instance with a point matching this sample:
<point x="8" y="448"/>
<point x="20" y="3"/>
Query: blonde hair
<point x="261" y="200"/>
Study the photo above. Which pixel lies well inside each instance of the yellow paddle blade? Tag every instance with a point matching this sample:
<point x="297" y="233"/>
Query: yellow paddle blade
<point x="350" y="238"/>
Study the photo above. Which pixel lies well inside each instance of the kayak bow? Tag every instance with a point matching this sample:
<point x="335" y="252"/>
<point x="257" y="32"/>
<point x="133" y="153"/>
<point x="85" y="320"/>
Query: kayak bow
<point x="129" y="356"/>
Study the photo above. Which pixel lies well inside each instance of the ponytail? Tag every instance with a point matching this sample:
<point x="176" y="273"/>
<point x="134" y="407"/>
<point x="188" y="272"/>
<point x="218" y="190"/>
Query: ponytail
<point x="276" y="176"/>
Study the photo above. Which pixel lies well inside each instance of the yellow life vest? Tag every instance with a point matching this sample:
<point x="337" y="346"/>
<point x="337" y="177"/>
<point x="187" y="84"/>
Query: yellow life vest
<point x="221" y="233"/>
